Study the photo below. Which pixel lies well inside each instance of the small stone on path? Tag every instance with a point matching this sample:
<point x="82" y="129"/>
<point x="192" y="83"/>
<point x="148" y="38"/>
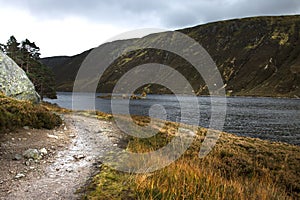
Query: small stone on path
<point x="19" y="175"/>
<point x="43" y="151"/>
<point x="53" y="136"/>
<point x="18" y="157"/>
<point x="69" y="170"/>
<point x="32" y="153"/>
<point x="78" y="157"/>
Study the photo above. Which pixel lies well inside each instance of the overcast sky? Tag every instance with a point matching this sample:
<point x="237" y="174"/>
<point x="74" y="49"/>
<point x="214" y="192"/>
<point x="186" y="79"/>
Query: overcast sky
<point x="68" y="27"/>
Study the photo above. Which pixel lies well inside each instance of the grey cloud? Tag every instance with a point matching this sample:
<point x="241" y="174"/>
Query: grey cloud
<point x="170" y="14"/>
<point x="208" y="11"/>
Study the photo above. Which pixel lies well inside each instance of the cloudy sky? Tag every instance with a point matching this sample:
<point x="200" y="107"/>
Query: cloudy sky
<point x="68" y="27"/>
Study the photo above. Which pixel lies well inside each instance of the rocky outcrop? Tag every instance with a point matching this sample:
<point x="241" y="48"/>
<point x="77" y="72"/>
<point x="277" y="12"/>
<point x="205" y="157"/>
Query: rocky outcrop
<point x="14" y="81"/>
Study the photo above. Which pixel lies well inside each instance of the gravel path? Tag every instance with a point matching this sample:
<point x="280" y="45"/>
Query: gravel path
<point x="71" y="167"/>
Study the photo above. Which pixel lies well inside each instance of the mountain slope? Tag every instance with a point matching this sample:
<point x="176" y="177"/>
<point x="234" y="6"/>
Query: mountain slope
<point x="65" y="69"/>
<point x="257" y="56"/>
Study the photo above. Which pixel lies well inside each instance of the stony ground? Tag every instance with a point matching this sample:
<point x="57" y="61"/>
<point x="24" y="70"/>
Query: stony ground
<point x="71" y="158"/>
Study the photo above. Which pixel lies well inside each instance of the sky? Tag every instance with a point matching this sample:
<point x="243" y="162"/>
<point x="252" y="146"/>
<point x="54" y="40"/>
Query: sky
<point x="69" y="27"/>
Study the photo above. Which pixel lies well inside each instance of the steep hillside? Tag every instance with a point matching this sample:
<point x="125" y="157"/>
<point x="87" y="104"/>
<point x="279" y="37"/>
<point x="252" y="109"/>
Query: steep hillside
<point x="257" y="56"/>
<point x="65" y="69"/>
<point x="56" y="61"/>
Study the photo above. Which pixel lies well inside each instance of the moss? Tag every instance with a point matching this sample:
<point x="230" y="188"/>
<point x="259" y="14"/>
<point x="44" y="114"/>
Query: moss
<point x="109" y="184"/>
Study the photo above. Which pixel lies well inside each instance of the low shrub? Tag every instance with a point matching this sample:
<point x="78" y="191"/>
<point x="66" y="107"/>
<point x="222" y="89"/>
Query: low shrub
<point x="15" y="114"/>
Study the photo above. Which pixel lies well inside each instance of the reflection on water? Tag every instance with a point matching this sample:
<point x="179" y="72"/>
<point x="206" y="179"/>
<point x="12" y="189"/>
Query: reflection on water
<point x="267" y="118"/>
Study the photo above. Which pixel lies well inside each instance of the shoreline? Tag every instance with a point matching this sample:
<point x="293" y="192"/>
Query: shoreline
<point x="227" y="96"/>
<point x="269" y="136"/>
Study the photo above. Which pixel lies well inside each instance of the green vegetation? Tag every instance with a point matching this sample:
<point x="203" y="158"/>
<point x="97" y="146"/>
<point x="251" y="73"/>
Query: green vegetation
<point x="111" y="184"/>
<point x="238" y="168"/>
<point x="26" y="55"/>
<point x="282" y="37"/>
<point x="15" y="114"/>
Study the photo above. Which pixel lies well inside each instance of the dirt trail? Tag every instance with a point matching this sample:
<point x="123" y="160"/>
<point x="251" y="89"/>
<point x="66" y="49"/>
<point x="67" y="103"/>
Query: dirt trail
<point x="61" y="175"/>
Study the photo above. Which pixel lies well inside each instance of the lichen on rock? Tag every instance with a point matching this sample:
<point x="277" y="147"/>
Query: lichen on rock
<point x="14" y="81"/>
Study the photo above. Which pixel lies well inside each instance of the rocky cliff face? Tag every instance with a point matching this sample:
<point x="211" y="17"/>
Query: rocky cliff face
<point x="14" y="81"/>
<point x="257" y="56"/>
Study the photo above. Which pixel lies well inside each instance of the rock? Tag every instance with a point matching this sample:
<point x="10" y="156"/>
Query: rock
<point x="69" y="170"/>
<point x="78" y="157"/>
<point x="65" y="128"/>
<point x="53" y="136"/>
<point x="32" y="153"/>
<point x="28" y="162"/>
<point x="19" y="175"/>
<point x="26" y="127"/>
<point x="14" y="81"/>
<point x="18" y="157"/>
<point x="43" y="151"/>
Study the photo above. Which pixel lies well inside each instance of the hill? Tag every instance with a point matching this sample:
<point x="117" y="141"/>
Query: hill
<point x="258" y="56"/>
<point x="65" y="69"/>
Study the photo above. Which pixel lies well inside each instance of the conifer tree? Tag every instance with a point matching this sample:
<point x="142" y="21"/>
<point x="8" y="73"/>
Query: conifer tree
<point x="27" y="54"/>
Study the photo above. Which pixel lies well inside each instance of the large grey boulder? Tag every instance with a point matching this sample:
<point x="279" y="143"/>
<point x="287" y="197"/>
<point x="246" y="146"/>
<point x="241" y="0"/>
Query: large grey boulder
<point x="14" y="81"/>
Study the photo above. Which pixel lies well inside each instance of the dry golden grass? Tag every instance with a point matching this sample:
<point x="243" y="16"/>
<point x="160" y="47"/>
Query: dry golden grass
<point x="237" y="168"/>
<point x="54" y="108"/>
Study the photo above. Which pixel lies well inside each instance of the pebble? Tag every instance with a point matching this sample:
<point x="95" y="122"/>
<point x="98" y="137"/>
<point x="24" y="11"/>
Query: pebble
<point x="26" y="127"/>
<point x="53" y="136"/>
<point x="19" y="175"/>
<point x="69" y="170"/>
<point x="18" y="157"/>
<point x="32" y="153"/>
<point x="28" y="162"/>
<point x="78" y="157"/>
<point x="43" y="151"/>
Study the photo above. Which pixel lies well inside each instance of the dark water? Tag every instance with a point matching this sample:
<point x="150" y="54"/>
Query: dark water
<point x="266" y="118"/>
